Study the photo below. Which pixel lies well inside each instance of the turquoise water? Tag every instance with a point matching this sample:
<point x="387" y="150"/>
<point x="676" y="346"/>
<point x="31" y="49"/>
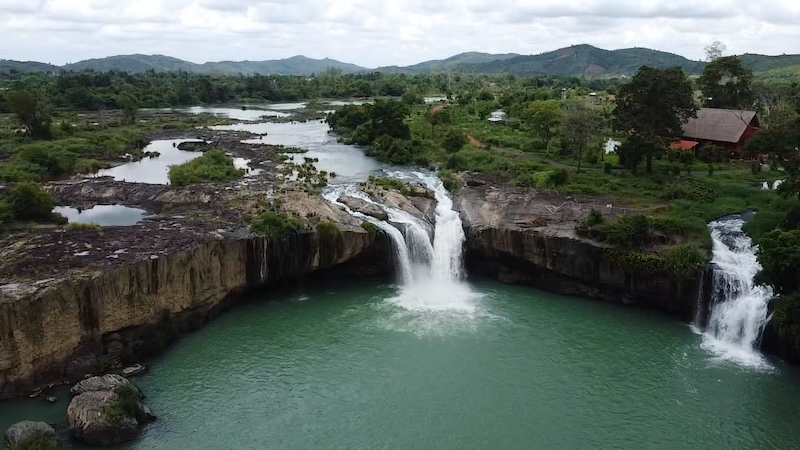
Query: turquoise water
<point x="339" y="366"/>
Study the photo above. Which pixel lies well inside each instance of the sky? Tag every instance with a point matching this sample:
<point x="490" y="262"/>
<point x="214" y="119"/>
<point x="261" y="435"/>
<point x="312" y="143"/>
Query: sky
<point x="374" y="33"/>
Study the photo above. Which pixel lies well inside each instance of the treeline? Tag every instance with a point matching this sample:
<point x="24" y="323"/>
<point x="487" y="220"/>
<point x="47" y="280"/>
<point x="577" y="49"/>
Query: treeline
<point x="117" y="90"/>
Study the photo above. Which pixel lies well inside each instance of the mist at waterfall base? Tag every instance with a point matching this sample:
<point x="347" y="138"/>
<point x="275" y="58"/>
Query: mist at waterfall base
<point x="739" y="307"/>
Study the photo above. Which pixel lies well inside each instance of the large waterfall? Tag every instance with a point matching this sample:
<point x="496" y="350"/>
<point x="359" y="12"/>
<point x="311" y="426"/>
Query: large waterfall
<point x="429" y="260"/>
<point x="739" y="308"/>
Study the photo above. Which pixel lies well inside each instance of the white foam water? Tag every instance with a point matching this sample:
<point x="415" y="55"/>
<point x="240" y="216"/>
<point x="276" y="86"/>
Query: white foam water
<point x="430" y="268"/>
<point x="739" y="309"/>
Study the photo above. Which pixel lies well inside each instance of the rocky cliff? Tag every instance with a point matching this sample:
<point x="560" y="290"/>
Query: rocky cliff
<point x="528" y="237"/>
<point x="63" y="329"/>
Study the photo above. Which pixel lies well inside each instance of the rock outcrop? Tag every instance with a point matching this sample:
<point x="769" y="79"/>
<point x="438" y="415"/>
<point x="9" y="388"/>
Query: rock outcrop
<point x="107" y="411"/>
<point x="364" y="207"/>
<point x="528" y="237"/>
<point x="30" y="434"/>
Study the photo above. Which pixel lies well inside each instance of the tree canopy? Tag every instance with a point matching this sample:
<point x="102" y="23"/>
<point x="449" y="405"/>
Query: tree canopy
<point x="726" y="83"/>
<point x="653" y="108"/>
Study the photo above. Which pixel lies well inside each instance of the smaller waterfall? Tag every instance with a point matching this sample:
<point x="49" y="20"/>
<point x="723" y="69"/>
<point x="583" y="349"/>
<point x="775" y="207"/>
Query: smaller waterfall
<point x="739" y="309"/>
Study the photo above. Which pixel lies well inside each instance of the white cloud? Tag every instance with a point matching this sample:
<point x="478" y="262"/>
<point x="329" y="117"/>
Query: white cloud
<point x="388" y="32"/>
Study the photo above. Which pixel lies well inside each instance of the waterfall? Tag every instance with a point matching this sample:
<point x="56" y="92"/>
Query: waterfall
<point x="739" y="308"/>
<point x="449" y="233"/>
<point x="401" y="251"/>
<point x="429" y="266"/>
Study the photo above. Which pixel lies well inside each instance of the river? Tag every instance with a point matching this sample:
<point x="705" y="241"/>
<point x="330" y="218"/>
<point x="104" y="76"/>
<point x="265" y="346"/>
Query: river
<point x="439" y="361"/>
<point x="340" y="365"/>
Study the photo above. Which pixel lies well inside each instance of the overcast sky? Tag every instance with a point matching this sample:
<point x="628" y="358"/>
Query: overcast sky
<point x="385" y="32"/>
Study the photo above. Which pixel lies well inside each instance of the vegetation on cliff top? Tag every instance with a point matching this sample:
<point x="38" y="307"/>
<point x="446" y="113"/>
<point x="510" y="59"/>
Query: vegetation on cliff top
<point x="276" y="225"/>
<point x="213" y="167"/>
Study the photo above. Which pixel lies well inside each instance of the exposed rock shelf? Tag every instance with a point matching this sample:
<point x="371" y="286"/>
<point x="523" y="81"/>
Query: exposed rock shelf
<point x="528" y="237"/>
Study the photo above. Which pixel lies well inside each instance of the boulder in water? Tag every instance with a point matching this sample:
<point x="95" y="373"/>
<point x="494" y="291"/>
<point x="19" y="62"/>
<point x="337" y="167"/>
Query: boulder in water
<point x="29" y="434"/>
<point x="364" y="207"/>
<point x="107" y="411"/>
<point x="110" y="382"/>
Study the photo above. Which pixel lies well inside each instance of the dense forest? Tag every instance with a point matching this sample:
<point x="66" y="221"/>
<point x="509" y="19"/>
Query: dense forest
<point x="116" y="90"/>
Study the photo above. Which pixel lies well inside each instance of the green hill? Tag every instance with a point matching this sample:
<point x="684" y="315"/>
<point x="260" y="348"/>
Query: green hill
<point x="296" y="65"/>
<point x="586" y="60"/>
<point x="577" y="60"/>
<point x="763" y="63"/>
<point x="7" y="65"/>
<point x="133" y="64"/>
<point x="451" y="63"/>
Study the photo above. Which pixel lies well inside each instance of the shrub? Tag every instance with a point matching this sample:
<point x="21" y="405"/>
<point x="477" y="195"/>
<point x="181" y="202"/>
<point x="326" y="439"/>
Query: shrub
<point x="40" y="441"/>
<point x="29" y="201"/>
<point x="391" y="184"/>
<point x="84" y="227"/>
<point x="214" y="166"/>
<point x="559" y="177"/>
<point x="607" y="167"/>
<point x="685" y="260"/>
<point x="125" y="406"/>
<point x="594" y="219"/>
<point x="454" y="140"/>
<point x="328" y="230"/>
<point x="690" y="189"/>
<point x="276" y="226"/>
<point x="371" y="228"/>
<point x="85" y="166"/>
<point x="626" y="231"/>
<point x="450" y="181"/>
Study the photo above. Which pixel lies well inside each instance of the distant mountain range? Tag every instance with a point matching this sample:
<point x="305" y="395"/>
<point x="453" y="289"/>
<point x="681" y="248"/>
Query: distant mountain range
<point x="577" y="60"/>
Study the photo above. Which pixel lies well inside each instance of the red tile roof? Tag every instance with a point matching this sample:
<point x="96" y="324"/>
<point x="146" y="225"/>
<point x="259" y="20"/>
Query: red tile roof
<point x="683" y="145"/>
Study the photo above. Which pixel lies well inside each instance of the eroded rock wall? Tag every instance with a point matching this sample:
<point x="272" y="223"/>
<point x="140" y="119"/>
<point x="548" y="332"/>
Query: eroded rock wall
<point x="528" y="237"/>
<point x="62" y="329"/>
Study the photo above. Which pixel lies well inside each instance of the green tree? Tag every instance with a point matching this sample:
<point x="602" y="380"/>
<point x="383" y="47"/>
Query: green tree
<point x="130" y="106"/>
<point x="30" y="202"/>
<point x="438" y="115"/>
<point x="545" y="118"/>
<point x="580" y="125"/>
<point x="726" y="83"/>
<point x="33" y="111"/>
<point x="454" y="140"/>
<point x="779" y="255"/>
<point x="412" y="97"/>
<point x="653" y="106"/>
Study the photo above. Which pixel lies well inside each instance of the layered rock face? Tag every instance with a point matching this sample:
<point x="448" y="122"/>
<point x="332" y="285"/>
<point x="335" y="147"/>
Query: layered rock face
<point x="528" y="237"/>
<point x="58" y="330"/>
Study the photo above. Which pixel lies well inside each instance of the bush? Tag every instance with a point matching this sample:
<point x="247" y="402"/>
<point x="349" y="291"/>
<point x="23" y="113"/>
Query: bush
<point x="87" y="166"/>
<point x="329" y="230"/>
<point x="686" y="260"/>
<point x="607" y="167"/>
<point x="84" y="227"/>
<point x="690" y="189"/>
<point x="390" y="184"/>
<point x="594" y="219"/>
<point x="214" y="166"/>
<point x="125" y="406"/>
<point x="276" y="226"/>
<point x="450" y="181"/>
<point x="559" y="177"/>
<point x="371" y="228"/>
<point x="40" y="441"/>
<point x="454" y="140"/>
<point x="29" y="201"/>
<point x="626" y="232"/>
